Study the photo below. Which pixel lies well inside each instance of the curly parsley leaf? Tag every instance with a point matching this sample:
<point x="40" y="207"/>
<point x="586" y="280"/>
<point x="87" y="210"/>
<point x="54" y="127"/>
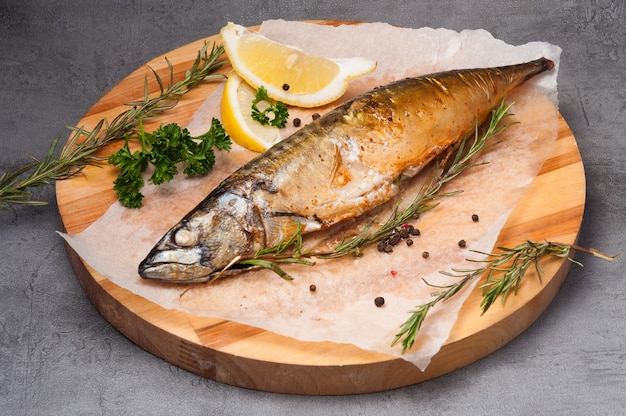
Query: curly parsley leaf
<point x="201" y="157"/>
<point x="278" y="110"/>
<point x="164" y="149"/>
<point x="129" y="181"/>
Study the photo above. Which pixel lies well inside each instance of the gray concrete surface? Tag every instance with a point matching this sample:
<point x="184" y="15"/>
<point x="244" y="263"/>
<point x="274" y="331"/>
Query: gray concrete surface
<point x="59" y="357"/>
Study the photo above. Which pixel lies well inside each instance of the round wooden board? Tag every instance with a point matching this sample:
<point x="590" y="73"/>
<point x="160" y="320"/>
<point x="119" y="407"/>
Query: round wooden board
<point x="249" y="357"/>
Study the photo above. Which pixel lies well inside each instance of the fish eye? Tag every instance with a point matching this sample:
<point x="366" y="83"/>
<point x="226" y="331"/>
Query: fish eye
<point x="185" y="238"/>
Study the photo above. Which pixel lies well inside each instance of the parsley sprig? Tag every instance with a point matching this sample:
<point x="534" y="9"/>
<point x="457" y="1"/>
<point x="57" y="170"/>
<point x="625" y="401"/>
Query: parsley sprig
<point x="164" y="149"/>
<point x="278" y="110"/>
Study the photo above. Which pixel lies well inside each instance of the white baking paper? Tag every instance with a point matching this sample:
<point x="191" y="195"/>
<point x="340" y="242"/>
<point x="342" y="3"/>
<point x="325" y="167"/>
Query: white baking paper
<point x="342" y="308"/>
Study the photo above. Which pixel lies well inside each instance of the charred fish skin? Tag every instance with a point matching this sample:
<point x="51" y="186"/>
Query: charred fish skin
<point x="338" y="167"/>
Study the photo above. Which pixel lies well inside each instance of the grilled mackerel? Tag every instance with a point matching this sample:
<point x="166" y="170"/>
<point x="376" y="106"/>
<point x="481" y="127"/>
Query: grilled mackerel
<point x="335" y="168"/>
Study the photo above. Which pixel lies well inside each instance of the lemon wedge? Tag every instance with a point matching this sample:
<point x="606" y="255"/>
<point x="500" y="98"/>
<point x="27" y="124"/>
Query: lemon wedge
<point x="236" y="113"/>
<point x="289" y="74"/>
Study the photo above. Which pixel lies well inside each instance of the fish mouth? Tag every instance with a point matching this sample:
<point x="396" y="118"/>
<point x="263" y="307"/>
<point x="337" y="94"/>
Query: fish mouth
<point x="175" y="266"/>
<point x="174" y="272"/>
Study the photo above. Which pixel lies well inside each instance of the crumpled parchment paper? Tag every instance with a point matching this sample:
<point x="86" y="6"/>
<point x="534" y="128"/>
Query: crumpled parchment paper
<point x="342" y="308"/>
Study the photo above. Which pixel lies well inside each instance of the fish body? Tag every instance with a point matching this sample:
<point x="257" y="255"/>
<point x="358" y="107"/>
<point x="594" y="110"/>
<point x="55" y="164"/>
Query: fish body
<point x="335" y="168"/>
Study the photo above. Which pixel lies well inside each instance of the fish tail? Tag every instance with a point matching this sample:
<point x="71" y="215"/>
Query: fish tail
<point x="537" y="66"/>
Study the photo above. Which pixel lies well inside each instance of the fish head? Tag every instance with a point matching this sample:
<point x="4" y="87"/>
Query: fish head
<point x="199" y="246"/>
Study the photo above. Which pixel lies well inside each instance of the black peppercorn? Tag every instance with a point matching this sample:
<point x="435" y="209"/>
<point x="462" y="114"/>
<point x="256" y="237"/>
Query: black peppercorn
<point x="297" y="122"/>
<point x="394" y="239"/>
<point x="462" y="243"/>
<point x="315" y="116"/>
<point x="474" y="217"/>
<point x="384" y="247"/>
<point x="285" y="87"/>
<point x="425" y="254"/>
<point x="312" y="288"/>
<point x="379" y="301"/>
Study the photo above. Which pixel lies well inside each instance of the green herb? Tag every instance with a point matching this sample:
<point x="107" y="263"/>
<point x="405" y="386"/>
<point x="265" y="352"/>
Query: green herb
<point x="276" y="108"/>
<point x="286" y="251"/>
<point x="511" y="263"/>
<point x="83" y="144"/>
<point x="165" y="148"/>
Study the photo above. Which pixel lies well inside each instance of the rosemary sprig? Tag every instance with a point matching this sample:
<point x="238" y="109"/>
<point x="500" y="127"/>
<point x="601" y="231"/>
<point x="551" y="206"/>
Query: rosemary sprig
<point x="512" y="263"/>
<point x="272" y="257"/>
<point x="83" y="145"/>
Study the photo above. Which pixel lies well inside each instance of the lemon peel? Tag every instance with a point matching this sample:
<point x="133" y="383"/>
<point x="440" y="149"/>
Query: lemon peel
<point x="236" y="114"/>
<point x="288" y="73"/>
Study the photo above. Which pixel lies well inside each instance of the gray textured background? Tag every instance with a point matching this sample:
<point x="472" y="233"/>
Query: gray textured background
<point x="58" y="356"/>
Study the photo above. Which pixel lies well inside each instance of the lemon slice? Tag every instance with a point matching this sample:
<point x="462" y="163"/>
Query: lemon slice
<point x="236" y="113"/>
<point x="289" y="74"/>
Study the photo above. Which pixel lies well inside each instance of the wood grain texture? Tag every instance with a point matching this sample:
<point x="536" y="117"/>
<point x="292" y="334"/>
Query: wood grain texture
<point x="249" y="357"/>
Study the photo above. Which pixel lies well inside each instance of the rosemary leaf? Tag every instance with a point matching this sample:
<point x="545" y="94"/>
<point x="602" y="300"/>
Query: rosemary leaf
<point x="411" y="326"/>
<point x="267" y="264"/>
